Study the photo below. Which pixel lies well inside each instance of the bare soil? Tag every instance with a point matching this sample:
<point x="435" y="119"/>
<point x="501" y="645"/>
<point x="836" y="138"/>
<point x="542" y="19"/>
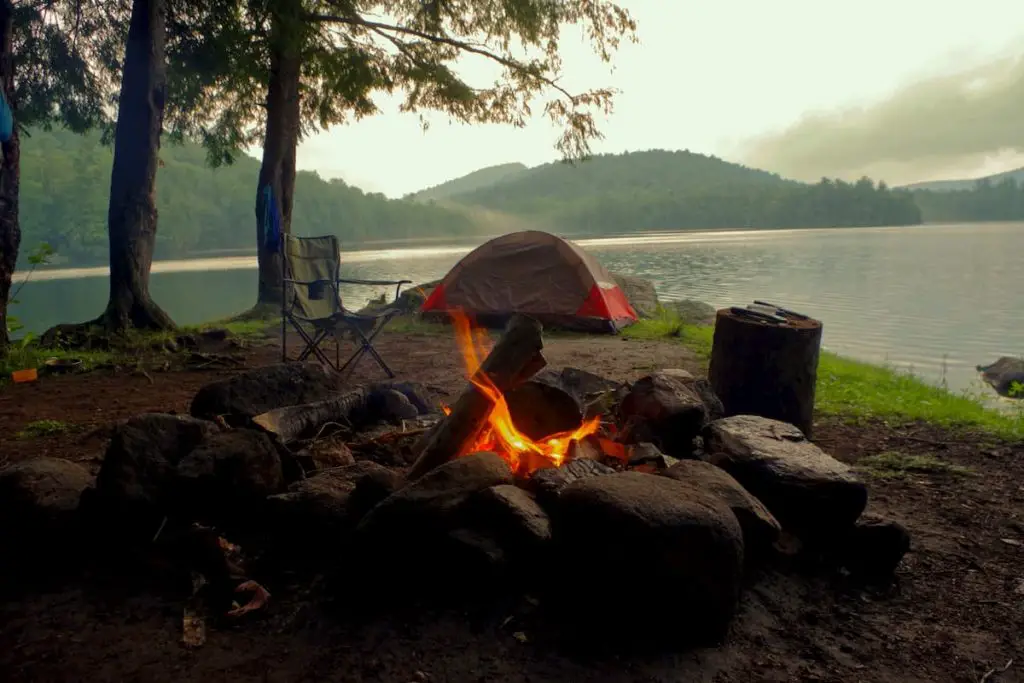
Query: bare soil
<point x="956" y="612"/>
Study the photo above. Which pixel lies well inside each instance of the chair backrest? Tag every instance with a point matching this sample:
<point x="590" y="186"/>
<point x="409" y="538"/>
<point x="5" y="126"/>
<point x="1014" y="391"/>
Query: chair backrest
<point x="311" y="259"/>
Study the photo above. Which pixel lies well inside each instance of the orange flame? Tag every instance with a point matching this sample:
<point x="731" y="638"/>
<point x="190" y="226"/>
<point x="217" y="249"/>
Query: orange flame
<point x="500" y="434"/>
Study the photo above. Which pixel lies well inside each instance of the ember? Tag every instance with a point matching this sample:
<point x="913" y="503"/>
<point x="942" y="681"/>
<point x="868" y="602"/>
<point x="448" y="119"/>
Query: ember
<point x="500" y="434"/>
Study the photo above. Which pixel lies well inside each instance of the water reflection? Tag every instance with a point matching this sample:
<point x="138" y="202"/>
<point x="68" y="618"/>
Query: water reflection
<point x="937" y="299"/>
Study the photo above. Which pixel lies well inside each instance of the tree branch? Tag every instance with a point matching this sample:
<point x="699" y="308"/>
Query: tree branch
<point x="462" y="45"/>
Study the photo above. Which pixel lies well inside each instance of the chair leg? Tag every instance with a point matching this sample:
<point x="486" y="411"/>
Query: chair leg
<point x="366" y="346"/>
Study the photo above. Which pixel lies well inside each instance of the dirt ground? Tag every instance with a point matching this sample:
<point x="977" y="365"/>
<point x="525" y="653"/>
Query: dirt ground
<point x="956" y="612"/>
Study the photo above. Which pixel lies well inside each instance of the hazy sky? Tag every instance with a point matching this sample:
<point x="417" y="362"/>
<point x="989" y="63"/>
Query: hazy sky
<point x="801" y="87"/>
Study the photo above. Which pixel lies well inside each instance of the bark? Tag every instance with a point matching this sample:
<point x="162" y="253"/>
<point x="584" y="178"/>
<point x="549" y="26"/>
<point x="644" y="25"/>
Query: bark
<point x="10" y="230"/>
<point x="280" y="143"/>
<point x="132" y="217"/>
<point x="766" y="370"/>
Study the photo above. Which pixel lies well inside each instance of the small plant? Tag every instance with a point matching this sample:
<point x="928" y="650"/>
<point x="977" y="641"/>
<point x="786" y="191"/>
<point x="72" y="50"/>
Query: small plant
<point x="896" y="465"/>
<point x="44" y="428"/>
<point x="41" y="256"/>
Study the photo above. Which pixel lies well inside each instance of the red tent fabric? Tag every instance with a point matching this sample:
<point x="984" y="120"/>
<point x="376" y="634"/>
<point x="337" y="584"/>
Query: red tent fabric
<point x="537" y="274"/>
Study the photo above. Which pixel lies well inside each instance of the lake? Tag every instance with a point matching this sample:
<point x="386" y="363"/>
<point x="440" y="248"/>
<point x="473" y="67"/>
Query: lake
<point x="936" y="300"/>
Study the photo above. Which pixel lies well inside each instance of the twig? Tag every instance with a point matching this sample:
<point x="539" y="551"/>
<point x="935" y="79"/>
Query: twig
<point x="160" y="530"/>
<point x="992" y="672"/>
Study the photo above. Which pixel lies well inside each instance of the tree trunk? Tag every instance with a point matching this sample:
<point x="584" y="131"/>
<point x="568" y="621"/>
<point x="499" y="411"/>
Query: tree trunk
<point x="765" y="369"/>
<point x="10" y="230"/>
<point x="131" y="218"/>
<point x="279" y="147"/>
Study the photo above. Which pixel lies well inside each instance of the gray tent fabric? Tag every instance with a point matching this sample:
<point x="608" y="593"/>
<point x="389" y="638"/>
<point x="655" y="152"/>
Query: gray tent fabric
<point x="537" y="274"/>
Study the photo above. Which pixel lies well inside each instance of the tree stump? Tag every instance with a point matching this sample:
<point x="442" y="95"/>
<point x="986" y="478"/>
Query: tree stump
<point x="766" y="369"/>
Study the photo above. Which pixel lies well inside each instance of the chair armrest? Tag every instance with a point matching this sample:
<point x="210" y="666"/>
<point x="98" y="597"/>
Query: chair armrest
<point x="307" y="282"/>
<point x="375" y="282"/>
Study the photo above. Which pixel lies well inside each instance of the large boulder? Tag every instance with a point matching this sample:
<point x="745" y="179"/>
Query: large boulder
<point x="228" y="475"/>
<point x="873" y="549"/>
<point x="640" y="293"/>
<point x="812" y="494"/>
<point x="38" y="504"/>
<point x="548" y="483"/>
<point x="239" y="398"/>
<point x="691" y="312"/>
<point x="668" y="408"/>
<point x="511" y="515"/>
<point x="760" y="528"/>
<point x="135" y="480"/>
<point x="676" y="555"/>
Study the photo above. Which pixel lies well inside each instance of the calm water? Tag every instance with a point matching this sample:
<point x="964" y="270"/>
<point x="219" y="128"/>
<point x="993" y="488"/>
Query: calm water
<point x="935" y="299"/>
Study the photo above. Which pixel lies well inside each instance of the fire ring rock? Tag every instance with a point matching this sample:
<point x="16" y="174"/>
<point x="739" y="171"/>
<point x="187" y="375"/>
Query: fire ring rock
<point x="812" y="494"/>
<point x="646" y="549"/>
<point x="760" y="528"/>
<point x="668" y="408"/>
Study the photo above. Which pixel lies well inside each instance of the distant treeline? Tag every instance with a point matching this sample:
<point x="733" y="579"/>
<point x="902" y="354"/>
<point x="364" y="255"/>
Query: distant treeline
<point x="65" y="187"/>
<point x="987" y="201"/>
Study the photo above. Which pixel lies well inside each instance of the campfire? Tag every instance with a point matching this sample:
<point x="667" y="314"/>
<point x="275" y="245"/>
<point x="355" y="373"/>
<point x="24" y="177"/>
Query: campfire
<point x="498" y="432"/>
<point x="483" y="420"/>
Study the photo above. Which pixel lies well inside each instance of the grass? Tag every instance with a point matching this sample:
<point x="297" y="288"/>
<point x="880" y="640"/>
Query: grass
<point x="860" y="391"/>
<point x="895" y="465"/>
<point x="44" y="428"/>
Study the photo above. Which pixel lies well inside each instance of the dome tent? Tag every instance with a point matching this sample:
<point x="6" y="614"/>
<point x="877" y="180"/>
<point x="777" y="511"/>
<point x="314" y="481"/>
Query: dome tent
<point x="536" y="274"/>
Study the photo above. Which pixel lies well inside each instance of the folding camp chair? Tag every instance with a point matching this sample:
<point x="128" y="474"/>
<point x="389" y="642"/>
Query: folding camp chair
<point x="311" y="298"/>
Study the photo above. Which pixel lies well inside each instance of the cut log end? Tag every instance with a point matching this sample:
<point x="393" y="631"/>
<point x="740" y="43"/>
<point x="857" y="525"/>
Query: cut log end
<point x="765" y="369"/>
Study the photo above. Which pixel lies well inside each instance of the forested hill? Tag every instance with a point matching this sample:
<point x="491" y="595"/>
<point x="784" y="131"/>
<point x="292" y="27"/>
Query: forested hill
<point x="65" y="185"/>
<point x="659" y="190"/>
<point x="1016" y="176"/>
<point x="477" y="180"/>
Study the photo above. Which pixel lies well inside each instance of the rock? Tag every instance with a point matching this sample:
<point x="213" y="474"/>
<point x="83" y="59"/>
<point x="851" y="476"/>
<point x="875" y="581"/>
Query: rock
<point x="760" y="529"/>
<point x="138" y="469"/>
<point x="640" y="293"/>
<point x="809" y="492"/>
<point x="548" y="483"/>
<point x="1004" y="375"/>
<point x="646" y="455"/>
<point x="374" y="486"/>
<point x="318" y="510"/>
<point x="428" y="503"/>
<point x="542" y="406"/>
<point x="690" y="311"/>
<point x="38" y="502"/>
<point x="398" y="400"/>
<point x="664" y="409"/>
<point x="874" y="548"/>
<point x="680" y="550"/>
<point x="513" y="516"/>
<point x="241" y="397"/>
<point x="326" y="454"/>
<point x="228" y="475"/>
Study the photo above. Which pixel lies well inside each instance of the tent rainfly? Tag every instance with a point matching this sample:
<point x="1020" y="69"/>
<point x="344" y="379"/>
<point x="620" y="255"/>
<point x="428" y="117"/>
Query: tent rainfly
<point x="536" y="274"/>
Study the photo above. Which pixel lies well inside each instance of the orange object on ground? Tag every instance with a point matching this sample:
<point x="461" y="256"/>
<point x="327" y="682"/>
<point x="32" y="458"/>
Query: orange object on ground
<point x="27" y="375"/>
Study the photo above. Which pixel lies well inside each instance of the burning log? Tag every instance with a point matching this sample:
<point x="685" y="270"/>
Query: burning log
<point x="514" y="359"/>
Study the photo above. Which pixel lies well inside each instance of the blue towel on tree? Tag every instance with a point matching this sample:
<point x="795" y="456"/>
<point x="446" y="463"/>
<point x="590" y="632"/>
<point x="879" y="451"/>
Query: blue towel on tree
<point x="271" y="221"/>
<point x="6" y="119"/>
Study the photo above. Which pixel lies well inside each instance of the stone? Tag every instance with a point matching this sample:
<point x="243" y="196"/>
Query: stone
<point x="760" y="528"/>
<point x="514" y="516"/>
<point x="241" y="397"/>
<point x="374" y="486"/>
<point x="547" y="483"/>
<point x="315" y="512"/>
<point x="429" y="502"/>
<point x="228" y="475"/>
<point x="647" y="456"/>
<point x="691" y="311"/>
<point x="139" y="466"/>
<point x="809" y="492"/>
<point x="1006" y="375"/>
<point x="874" y="548"/>
<point x="640" y="293"/>
<point x="38" y="504"/>
<point x="663" y="408"/>
<point x="327" y="454"/>
<point x="676" y="555"/>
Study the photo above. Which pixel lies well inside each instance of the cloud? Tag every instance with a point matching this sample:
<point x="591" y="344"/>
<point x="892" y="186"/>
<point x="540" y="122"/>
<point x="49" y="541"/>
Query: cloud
<point x="936" y="127"/>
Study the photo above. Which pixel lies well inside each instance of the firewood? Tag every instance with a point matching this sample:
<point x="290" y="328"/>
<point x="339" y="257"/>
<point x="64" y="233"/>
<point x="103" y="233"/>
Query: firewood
<point x="516" y="354"/>
<point x="766" y="369"/>
<point x="294" y="422"/>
